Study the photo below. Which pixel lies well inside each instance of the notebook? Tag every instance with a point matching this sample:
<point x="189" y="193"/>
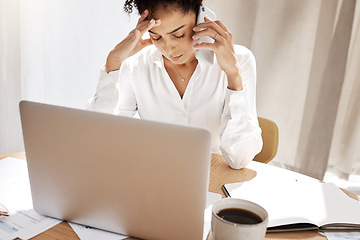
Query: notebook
<point x="141" y="178"/>
<point x="297" y="202"/>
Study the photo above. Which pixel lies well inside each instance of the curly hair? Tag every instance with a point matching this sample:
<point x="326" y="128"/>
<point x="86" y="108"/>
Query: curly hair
<point x="152" y="5"/>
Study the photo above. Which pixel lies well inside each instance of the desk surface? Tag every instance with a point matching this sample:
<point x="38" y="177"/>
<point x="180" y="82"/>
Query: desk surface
<point x="220" y="174"/>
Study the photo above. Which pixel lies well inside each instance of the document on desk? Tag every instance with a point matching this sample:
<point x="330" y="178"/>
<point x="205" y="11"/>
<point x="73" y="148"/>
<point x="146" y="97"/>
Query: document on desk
<point x="23" y="222"/>
<point x="90" y="233"/>
<point x="211" y="198"/>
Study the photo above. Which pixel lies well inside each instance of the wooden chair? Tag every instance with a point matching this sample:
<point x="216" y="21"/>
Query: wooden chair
<point x="270" y="137"/>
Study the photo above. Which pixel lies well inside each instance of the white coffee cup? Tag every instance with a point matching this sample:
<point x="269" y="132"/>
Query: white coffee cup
<point x="226" y="230"/>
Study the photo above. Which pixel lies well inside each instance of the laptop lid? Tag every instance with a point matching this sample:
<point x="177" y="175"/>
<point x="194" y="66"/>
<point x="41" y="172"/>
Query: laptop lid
<point x="140" y="178"/>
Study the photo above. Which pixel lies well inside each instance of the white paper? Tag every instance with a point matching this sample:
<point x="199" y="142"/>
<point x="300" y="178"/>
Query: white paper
<point x="210" y="200"/>
<point x="15" y="195"/>
<point x="89" y="233"/>
<point x="342" y="235"/>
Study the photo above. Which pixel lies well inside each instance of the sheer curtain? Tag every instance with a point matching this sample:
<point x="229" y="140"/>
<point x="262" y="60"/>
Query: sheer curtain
<point x="308" y="77"/>
<point x="10" y="83"/>
<point x="51" y="51"/>
<point x="345" y="154"/>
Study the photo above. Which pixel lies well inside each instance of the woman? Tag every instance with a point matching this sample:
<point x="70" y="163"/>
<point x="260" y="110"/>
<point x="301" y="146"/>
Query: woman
<point x="165" y="81"/>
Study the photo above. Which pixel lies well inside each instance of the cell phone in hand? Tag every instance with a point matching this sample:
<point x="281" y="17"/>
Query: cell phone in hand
<point x="205" y="55"/>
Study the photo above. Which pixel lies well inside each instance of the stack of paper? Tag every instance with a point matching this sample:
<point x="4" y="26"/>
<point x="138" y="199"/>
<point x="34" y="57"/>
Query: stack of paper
<point x="23" y="222"/>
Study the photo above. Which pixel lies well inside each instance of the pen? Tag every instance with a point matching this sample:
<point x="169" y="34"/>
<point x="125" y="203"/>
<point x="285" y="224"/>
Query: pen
<point x="227" y="194"/>
<point x="3" y="210"/>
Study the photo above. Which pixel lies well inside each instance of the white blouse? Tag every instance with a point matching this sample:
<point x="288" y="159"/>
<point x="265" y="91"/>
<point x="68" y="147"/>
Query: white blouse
<point x="142" y="85"/>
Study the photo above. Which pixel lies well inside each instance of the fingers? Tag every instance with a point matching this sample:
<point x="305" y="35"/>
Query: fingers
<point x="222" y="26"/>
<point x="207" y="32"/>
<point x="143" y="16"/>
<point x="136" y="37"/>
<point x="218" y="22"/>
<point x="145" y="26"/>
<point x="146" y="42"/>
<point x="217" y="31"/>
<point x="204" y="45"/>
<point x="208" y="24"/>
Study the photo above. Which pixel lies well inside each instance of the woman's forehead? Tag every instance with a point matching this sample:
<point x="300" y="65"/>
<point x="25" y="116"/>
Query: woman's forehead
<point x="172" y="19"/>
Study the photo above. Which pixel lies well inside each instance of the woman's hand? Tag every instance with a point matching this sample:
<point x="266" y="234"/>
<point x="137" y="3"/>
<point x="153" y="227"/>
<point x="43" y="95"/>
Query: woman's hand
<point x="132" y="44"/>
<point x="223" y="47"/>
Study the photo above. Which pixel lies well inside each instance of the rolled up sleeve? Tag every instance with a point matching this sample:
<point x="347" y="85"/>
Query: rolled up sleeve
<point x="106" y="96"/>
<point x="241" y="137"/>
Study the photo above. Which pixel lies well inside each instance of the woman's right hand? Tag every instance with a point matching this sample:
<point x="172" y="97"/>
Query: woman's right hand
<point x="132" y="44"/>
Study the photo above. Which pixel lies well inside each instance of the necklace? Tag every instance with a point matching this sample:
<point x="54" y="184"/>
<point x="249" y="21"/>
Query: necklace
<point x="182" y="78"/>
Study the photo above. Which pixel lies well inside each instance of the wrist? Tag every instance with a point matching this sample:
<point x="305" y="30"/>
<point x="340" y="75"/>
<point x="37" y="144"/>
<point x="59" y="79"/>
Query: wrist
<point x="112" y="63"/>
<point x="235" y="80"/>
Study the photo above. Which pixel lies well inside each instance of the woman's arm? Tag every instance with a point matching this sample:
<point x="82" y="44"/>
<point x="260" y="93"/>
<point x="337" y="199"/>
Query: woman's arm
<point x="114" y="93"/>
<point x="107" y="93"/>
<point x="240" y="133"/>
<point x="132" y="44"/>
<point x="223" y="47"/>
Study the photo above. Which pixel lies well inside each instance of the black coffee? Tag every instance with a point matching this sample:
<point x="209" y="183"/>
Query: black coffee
<point x="240" y="216"/>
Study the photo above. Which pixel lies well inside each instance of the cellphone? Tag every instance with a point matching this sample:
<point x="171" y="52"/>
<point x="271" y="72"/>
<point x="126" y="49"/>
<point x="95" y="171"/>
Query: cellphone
<point x="205" y="55"/>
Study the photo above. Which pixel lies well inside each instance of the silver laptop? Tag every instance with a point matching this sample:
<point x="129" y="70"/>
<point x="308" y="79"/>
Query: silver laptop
<point x="140" y="178"/>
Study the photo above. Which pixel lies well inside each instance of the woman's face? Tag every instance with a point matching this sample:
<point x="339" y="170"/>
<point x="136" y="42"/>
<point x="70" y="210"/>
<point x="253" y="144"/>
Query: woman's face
<point x="173" y="37"/>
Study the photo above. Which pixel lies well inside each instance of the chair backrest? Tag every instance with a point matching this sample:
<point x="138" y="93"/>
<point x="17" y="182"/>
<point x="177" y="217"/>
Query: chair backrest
<point x="270" y="137"/>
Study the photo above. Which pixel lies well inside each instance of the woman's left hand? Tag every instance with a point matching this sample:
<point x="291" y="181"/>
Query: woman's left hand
<point x="223" y="47"/>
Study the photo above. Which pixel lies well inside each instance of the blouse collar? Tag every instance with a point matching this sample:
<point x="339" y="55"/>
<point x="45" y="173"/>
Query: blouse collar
<point x="157" y="58"/>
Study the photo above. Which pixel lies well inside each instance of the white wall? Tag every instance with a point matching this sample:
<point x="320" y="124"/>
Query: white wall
<point x="51" y="51"/>
<point x="64" y="45"/>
